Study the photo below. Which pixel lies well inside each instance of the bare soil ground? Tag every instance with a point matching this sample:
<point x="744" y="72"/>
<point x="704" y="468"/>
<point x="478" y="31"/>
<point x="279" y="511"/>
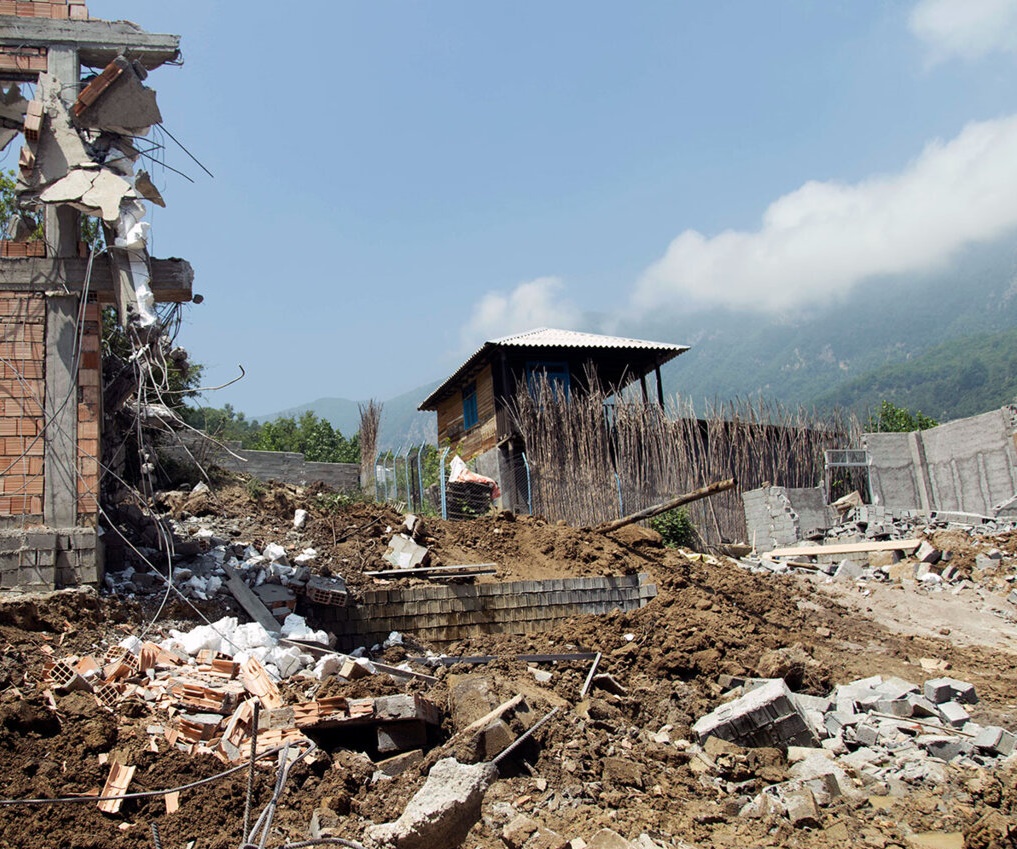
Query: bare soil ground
<point x="605" y="761"/>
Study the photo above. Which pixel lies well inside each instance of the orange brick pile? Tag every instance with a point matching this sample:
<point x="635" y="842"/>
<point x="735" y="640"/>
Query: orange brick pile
<point x="22" y="363"/>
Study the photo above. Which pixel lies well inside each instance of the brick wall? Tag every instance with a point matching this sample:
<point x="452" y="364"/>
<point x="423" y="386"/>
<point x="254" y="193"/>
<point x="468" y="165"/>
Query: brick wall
<point x="442" y="614"/>
<point x="22" y="365"/>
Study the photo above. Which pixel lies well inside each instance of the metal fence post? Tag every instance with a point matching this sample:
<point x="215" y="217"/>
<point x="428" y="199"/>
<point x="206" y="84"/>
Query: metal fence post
<point x="529" y="484"/>
<point x="441" y="470"/>
<point x="409" y="483"/>
<point x="420" y="472"/>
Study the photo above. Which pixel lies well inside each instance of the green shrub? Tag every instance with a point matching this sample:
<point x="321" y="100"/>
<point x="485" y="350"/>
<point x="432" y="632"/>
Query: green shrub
<point x="676" y="527"/>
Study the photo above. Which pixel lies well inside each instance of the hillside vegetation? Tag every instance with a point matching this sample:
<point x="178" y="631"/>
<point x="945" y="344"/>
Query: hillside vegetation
<point x="962" y="377"/>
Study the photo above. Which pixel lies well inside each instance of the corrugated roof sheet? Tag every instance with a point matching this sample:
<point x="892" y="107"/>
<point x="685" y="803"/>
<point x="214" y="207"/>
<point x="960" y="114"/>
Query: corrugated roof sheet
<point x="549" y="337"/>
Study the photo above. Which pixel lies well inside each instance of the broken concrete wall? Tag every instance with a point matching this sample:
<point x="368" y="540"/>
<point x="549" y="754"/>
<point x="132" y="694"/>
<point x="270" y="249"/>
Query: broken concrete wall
<point x="282" y="466"/>
<point x="964" y="466"/>
<point x="776" y="516"/>
<point x="46" y="558"/>
<point x="442" y="614"/>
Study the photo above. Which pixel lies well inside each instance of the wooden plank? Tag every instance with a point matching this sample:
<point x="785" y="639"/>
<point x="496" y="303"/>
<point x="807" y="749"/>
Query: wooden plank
<point x="171" y="278"/>
<point x="487" y="658"/>
<point x="846" y="548"/>
<point x="254" y="606"/>
<point x="478" y="568"/>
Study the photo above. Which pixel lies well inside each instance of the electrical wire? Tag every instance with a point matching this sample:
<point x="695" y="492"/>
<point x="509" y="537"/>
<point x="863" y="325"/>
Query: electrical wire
<point x="145" y="794"/>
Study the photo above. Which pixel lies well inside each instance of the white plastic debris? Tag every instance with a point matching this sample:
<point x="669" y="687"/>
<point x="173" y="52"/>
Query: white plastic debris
<point x="394" y="639"/>
<point x="299" y="519"/>
<point x="131" y="643"/>
<point x="305" y="556"/>
<point x="275" y="553"/>
<point x="204" y="636"/>
<point x="327" y="666"/>
<point x="295" y="628"/>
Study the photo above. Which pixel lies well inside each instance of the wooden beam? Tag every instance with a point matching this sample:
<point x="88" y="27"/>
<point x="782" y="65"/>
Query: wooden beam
<point x="649" y="512"/>
<point x="846" y="548"/>
<point x="447" y="571"/>
<point x="171" y="278"/>
<point x="98" y="42"/>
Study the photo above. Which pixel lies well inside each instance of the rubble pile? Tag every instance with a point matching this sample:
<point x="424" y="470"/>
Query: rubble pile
<point x="594" y="733"/>
<point x="871" y="736"/>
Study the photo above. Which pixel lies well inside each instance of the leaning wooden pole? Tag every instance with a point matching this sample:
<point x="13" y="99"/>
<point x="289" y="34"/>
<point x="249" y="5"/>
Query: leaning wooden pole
<point x="688" y="498"/>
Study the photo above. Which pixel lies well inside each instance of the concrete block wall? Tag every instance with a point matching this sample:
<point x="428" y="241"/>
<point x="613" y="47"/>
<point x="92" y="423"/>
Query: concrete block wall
<point x="282" y="466"/>
<point x="776" y="516"/>
<point x="45" y="559"/>
<point x="965" y="466"/>
<point x="445" y="613"/>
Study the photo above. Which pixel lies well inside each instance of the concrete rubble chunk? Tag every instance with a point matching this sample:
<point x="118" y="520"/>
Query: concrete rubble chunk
<point x="954" y="714"/>
<point x="608" y="839"/>
<point x="940" y="690"/>
<point x="126" y="106"/>
<point x="799" y="804"/>
<point x="404" y="553"/>
<point x="766" y="716"/>
<point x="928" y="553"/>
<point x="442" y="812"/>
<point x="943" y="746"/>
<point x="995" y="740"/>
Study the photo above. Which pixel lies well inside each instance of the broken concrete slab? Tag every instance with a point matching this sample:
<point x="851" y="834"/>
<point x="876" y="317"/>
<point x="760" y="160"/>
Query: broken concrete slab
<point x="125" y="105"/>
<point x="442" y="812"/>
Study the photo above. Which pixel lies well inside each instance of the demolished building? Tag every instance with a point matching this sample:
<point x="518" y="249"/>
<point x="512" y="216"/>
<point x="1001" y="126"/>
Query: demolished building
<point x="82" y="139"/>
<point x="964" y="471"/>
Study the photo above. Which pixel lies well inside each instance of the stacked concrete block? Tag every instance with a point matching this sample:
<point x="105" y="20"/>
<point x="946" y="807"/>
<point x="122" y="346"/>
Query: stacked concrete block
<point x="765" y="716"/>
<point x="441" y="614"/>
<point x="942" y="690"/>
<point x="45" y="559"/>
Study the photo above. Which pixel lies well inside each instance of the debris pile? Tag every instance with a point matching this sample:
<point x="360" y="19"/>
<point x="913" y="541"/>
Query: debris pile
<point x="874" y="735"/>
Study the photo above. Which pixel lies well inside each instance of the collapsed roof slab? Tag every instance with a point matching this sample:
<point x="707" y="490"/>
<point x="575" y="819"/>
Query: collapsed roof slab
<point x="171" y="278"/>
<point x="98" y="42"/>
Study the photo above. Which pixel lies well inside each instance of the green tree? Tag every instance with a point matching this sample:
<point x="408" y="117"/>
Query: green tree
<point x="894" y="419"/>
<point x="315" y="438"/>
<point x="225" y="424"/>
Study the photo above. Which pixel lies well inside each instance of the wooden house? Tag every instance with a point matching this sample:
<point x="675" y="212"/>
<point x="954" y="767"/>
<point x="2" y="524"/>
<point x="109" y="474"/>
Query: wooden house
<point x="473" y="403"/>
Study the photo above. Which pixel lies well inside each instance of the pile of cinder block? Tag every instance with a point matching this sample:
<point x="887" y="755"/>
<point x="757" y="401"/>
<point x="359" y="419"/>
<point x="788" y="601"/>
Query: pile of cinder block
<point x="874" y="731"/>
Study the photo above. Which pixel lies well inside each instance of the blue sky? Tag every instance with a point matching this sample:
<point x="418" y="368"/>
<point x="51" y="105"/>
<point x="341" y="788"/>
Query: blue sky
<point x="396" y="182"/>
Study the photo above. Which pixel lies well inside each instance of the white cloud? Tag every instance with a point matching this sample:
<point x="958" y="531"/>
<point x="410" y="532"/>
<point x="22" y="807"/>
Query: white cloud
<point x="825" y="237"/>
<point x="535" y="303"/>
<point x="965" y="28"/>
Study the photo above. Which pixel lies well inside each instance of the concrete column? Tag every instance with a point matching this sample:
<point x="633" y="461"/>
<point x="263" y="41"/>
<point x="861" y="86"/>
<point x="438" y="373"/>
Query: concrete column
<point x="61" y="406"/>
<point x="62" y="223"/>
<point x="923" y="483"/>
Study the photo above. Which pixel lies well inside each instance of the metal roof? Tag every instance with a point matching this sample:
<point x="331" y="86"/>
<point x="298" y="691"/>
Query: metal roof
<point x="549" y="337"/>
